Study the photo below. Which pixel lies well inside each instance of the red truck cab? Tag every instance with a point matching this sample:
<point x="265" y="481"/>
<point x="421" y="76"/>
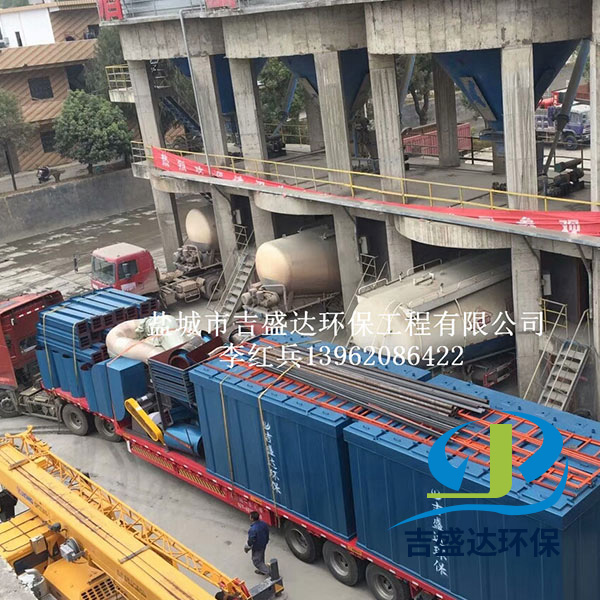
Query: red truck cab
<point x="18" y="319"/>
<point x="125" y="267"/>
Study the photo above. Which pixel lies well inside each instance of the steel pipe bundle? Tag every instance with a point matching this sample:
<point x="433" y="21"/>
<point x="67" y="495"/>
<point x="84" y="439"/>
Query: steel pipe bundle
<point x="415" y="403"/>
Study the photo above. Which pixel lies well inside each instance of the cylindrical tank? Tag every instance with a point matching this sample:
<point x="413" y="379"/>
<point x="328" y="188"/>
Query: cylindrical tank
<point x="201" y="229"/>
<point x="385" y="318"/>
<point x="305" y="262"/>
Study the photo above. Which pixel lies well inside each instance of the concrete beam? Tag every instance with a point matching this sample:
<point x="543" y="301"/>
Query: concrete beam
<point x="163" y="39"/>
<point x="248" y="110"/>
<point x="348" y="257"/>
<point x="209" y="109"/>
<point x="417" y="27"/>
<point x="333" y="115"/>
<point x="146" y="105"/>
<point x="445" y="117"/>
<point x="388" y="126"/>
<point x="288" y="33"/>
<point x="519" y="125"/>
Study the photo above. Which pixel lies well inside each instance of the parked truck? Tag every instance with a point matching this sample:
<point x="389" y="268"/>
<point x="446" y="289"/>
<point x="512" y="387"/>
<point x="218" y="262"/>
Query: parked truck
<point x="575" y="133"/>
<point x="333" y="473"/>
<point x="198" y="271"/>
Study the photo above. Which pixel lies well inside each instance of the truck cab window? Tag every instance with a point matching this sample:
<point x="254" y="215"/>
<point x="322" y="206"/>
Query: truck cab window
<point x="103" y="270"/>
<point x="128" y="269"/>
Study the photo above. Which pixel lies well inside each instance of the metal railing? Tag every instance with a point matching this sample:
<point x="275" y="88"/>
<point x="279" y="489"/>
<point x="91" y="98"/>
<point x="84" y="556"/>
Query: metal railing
<point x="554" y="314"/>
<point x="118" y="77"/>
<point x="290" y="133"/>
<point x="372" y="185"/>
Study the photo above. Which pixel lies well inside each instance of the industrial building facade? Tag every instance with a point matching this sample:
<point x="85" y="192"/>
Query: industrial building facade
<point x="503" y="55"/>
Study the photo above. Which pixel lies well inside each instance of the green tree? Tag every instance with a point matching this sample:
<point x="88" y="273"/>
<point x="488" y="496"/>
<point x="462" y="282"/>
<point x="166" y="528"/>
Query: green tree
<point x="90" y="129"/>
<point x="13" y="129"/>
<point x="108" y="52"/>
<point x="274" y="80"/>
<point x="11" y="3"/>
<point x="420" y="85"/>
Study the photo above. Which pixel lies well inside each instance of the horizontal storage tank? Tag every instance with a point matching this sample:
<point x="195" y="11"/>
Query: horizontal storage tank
<point x="305" y="262"/>
<point x="472" y="284"/>
<point x="201" y="229"/>
<point x="391" y="480"/>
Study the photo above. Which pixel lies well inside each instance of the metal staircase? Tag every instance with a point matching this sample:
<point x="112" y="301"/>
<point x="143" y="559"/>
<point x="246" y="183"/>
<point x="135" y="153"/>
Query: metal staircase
<point x="181" y="115"/>
<point x="564" y="375"/>
<point x="231" y="299"/>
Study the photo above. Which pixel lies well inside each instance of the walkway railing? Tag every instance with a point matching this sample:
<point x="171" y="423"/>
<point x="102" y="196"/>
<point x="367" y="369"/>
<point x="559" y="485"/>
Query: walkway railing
<point x="118" y="77"/>
<point x="290" y="133"/>
<point x="371" y="185"/>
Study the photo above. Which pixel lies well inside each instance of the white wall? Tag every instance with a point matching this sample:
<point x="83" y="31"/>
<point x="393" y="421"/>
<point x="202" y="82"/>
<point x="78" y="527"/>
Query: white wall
<point x="33" y="25"/>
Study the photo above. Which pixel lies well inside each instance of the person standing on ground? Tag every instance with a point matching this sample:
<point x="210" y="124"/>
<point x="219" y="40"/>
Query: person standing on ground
<point x="258" y="538"/>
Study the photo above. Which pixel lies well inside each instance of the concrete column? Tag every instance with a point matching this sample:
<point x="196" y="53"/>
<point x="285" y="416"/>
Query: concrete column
<point x="595" y="310"/>
<point x="348" y="257"/>
<point x="595" y="113"/>
<point x="519" y="125"/>
<point x="334" y="116"/>
<point x="226" y="233"/>
<point x="399" y="247"/>
<point x="262" y="222"/>
<point x="388" y="126"/>
<point x="315" y="125"/>
<point x="498" y="162"/>
<point x="526" y="285"/>
<point x="146" y="105"/>
<point x="249" y="112"/>
<point x="445" y="117"/>
<point x="211" y="116"/>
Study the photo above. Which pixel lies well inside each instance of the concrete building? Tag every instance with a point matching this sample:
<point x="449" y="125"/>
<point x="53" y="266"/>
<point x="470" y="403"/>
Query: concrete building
<point x="502" y="55"/>
<point x="44" y="49"/>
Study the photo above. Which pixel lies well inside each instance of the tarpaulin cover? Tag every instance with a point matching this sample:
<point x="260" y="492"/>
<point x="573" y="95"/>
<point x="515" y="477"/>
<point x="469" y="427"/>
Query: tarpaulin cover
<point x="572" y="222"/>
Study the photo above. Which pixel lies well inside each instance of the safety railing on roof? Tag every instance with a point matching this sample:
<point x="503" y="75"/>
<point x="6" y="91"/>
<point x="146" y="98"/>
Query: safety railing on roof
<point x="372" y="185"/>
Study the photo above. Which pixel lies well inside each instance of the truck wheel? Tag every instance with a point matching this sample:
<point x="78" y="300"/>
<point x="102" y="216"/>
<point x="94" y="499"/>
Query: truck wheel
<point x="213" y="285"/>
<point x="303" y="545"/>
<point x="106" y="430"/>
<point x="75" y="419"/>
<point x="342" y="565"/>
<point x="9" y="405"/>
<point x="384" y="586"/>
<point x="570" y="141"/>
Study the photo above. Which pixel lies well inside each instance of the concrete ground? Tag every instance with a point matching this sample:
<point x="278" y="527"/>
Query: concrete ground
<point x="214" y="530"/>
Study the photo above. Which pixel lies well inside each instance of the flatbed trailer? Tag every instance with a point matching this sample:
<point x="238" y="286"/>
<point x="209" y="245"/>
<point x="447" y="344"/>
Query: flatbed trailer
<point x="299" y="533"/>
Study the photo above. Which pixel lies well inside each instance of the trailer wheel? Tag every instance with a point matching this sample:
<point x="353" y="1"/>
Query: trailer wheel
<point x="570" y="141"/>
<point x="106" y="430"/>
<point x="303" y="545"/>
<point x="342" y="565"/>
<point x="75" y="419"/>
<point x="9" y="405"/>
<point x="384" y="586"/>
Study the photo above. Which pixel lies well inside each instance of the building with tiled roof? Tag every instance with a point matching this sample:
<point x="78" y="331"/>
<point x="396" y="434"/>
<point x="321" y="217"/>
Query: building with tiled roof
<point x="43" y="50"/>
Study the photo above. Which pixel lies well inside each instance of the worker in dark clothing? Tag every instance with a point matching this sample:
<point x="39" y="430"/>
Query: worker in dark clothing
<point x="225" y="596"/>
<point x="258" y="538"/>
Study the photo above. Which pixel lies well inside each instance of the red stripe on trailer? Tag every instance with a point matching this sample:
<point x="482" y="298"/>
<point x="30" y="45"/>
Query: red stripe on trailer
<point x="187" y="469"/>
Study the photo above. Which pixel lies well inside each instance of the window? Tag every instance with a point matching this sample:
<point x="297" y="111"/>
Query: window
<point x="40" y="88"/>
<point x="92" y="32"/>
<point x="102" y="270"/>
<point x="47" y="139"/>
<point x="128" y="269"/>
<point x="19" y="40"/>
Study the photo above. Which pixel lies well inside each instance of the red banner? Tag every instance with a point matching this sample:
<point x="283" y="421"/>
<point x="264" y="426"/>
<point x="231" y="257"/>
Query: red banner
<point x="573" y="222"/>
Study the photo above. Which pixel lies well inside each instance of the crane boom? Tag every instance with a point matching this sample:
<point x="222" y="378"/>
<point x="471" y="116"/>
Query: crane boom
<point x="137" y="555"/>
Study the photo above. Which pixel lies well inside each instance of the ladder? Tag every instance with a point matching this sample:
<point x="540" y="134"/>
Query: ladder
<point x="232" y="297"/>
<point x="183" y="116"/>
<point x="564" y="375"/>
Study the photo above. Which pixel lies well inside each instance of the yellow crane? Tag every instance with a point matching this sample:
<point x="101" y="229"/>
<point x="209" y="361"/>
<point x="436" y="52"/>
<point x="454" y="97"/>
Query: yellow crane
<point x="88" y="545"/>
